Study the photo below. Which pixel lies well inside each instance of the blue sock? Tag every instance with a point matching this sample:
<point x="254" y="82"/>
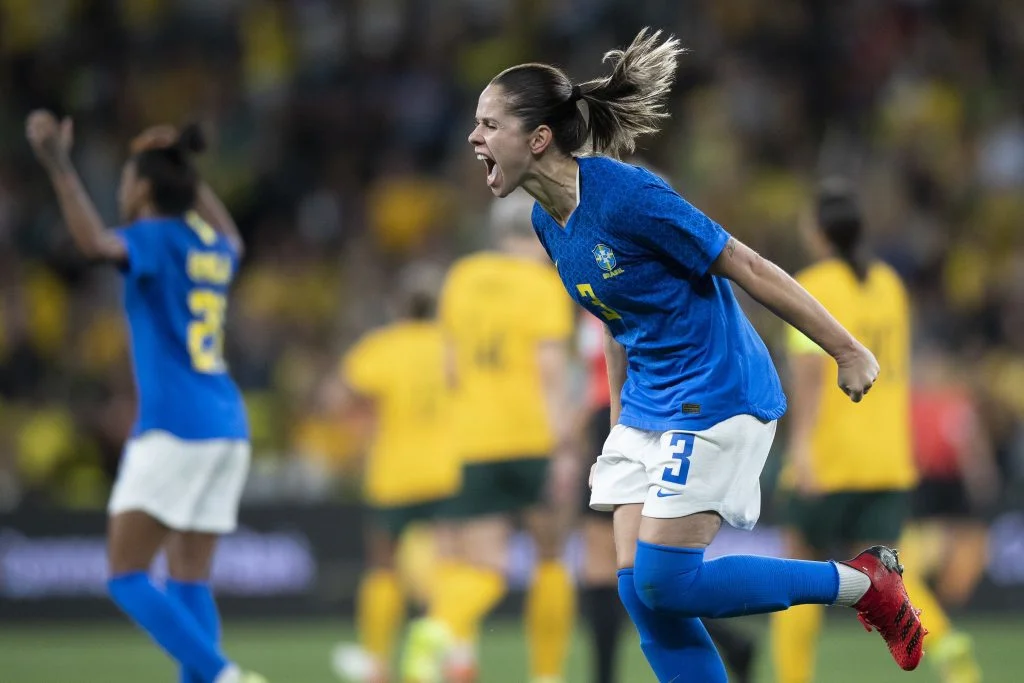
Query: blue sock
<point x="677" y="648"/>
<point x="168" y="623"/>
<point x="197" y="598"/>
<point x="678" y="580"/>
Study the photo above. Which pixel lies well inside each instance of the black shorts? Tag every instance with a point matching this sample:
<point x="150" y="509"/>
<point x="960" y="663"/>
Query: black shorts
<point x="944" y="499"/>
<point x="836" y="520"/>
<point x="503" y="486"/>
<point x="394" y="519"/>
<point x="598" y="427"/>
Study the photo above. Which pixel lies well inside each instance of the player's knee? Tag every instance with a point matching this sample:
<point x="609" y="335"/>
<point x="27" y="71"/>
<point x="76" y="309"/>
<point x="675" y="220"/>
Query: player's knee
<point x="665" y="590"/>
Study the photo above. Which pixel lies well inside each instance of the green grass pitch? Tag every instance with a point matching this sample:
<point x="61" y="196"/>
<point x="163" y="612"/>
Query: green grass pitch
<point x="297" y="652"/>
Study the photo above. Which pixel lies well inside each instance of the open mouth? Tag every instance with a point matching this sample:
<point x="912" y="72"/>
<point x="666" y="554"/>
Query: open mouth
<point x="492" y="168"/>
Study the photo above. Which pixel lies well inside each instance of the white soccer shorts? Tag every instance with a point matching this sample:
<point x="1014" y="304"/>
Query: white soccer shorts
<point x="679" y="473"/>
<point x="186" y="485"/>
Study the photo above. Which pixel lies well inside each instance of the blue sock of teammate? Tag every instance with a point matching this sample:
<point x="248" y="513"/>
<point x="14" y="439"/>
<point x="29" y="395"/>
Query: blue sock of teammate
<point x="677" y="648"/>
<point x="678" y="580"/>
<point x="168" y="623"/>
<point x="197" y="598"/>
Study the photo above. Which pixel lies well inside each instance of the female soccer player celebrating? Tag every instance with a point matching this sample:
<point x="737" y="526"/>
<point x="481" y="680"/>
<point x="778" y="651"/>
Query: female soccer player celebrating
<point x="695" y="394"/>
<point x="184" y="467"/>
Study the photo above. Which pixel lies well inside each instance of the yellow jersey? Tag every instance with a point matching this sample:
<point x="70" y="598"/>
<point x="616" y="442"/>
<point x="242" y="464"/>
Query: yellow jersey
<point x="862" y="446"/>
<point x="411" y="457"/>
<point x="496" y="310"/>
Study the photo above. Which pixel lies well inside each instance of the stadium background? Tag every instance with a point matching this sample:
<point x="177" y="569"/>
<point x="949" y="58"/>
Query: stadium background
<point x="339" y="132"/>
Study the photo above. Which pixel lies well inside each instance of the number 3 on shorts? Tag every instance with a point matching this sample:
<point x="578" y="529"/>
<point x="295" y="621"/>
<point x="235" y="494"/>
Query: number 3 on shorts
<point x="681" y="452"/>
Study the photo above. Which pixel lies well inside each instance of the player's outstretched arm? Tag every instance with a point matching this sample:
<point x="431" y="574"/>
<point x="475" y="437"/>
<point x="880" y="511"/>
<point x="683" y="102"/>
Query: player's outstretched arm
<point x="51" y="141"/>
<point x="774" y="289"/>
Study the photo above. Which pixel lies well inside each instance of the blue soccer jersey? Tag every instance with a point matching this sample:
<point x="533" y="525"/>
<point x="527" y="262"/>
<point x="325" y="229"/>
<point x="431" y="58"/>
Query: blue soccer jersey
<point x="175" y="297"/>
<point x="637" y="255"/>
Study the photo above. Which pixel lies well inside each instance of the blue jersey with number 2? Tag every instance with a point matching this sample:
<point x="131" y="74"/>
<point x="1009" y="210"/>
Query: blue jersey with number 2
<point x="636" y="255"/>
<point x="175" y="297"/>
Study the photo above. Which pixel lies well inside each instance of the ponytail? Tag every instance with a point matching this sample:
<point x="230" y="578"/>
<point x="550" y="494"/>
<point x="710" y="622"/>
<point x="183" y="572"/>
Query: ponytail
<point x="841" y="223"/>
<point x="627" y="103"/>
<point x="630" y="101"/>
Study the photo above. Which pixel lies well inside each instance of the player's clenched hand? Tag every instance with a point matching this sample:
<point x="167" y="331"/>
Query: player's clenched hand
<point x="51" y="140"/>
<point x="858" y="371"/>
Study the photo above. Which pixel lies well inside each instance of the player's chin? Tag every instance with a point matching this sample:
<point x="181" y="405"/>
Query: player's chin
<point x="501" y="188"/>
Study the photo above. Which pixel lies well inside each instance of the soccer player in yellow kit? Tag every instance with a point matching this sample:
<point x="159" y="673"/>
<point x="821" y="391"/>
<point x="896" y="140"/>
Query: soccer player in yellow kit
<point x="411" y="470"/>
<point x="508" y="323"/>
<point x="850" y="467"/>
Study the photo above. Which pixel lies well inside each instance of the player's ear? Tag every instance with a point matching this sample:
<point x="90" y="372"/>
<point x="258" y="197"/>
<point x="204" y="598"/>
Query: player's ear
<point x="540" y="139"/>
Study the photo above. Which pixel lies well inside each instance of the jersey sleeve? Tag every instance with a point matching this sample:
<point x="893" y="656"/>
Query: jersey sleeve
<point x="362" y="369"/>
<point x="670" y="226"/>
<point x="142" y="242"/>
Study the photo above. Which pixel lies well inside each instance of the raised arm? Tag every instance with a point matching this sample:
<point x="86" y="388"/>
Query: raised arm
<point x="51" y="141"/>
<point x="770" y="286"/>
<point x="213" y="211"/>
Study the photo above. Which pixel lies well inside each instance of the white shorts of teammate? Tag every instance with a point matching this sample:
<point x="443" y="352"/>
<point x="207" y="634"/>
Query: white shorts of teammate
<point x="679" y="473"/>
<point x="186" y="485"/>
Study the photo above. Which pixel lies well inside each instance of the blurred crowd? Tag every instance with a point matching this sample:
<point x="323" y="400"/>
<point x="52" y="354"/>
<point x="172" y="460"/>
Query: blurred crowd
<point x="339" y="144"/>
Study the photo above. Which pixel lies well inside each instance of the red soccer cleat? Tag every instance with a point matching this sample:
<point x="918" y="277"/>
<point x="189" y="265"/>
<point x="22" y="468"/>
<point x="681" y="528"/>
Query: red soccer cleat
<point x="886" y="606"/>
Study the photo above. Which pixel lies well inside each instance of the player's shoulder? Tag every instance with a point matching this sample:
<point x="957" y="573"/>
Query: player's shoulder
<point x="623" y="193"/>
<point x="375" y="340"/>
<point x="405" y="333"/>
<point x="606" y="169"/>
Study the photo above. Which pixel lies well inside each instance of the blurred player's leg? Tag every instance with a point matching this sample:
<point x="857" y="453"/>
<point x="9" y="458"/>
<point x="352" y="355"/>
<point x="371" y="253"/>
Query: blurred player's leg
<point x="964" y="564"/>
<point x="794" y="638"/>
<point x="380" y="605"/>
<point x="550" y="602"/>
<point x="599" y="594"/>
<point x="134" y="538"/>
<point x="470" y="583"/>
<point x="189" y="559"/>
<point x="735" y="646"/>
<point x="475" y="586"/>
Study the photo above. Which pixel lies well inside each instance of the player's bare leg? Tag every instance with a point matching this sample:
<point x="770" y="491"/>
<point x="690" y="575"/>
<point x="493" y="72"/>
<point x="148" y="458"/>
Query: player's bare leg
<point x="133" y="539"/>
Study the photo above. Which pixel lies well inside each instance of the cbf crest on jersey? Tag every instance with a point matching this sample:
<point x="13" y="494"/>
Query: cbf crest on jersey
<point x="605" y="258"/>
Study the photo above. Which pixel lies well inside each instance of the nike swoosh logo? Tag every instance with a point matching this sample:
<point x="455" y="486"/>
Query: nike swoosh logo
<point x="663" y="494"/>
